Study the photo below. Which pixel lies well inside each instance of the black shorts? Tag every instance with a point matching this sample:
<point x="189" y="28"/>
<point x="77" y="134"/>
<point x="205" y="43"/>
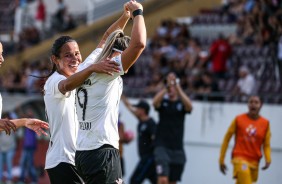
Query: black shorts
<point x="145" y="169"/>
<point x="64" y="173"/>
<point x="169" y="163"/>
<point x="99" y="166"/>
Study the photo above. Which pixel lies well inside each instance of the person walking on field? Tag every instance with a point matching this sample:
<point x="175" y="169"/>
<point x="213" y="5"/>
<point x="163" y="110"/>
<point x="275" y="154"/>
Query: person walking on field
<point x="172" y="105"/>
<point x="146" y="130"/>
<point x="252" y="133"/>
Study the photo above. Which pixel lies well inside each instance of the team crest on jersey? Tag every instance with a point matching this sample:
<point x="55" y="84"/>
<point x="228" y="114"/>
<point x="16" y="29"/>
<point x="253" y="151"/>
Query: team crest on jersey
<point x="119" y="181"/>
<point x="251" y="130"/>
<point x="179" y="107"/>
<point x="159" y="169"/>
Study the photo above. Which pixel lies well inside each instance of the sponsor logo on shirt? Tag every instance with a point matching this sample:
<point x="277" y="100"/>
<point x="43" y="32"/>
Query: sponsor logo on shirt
<point x="85" y="125"/>
<point x="87" y="82"/>
<point x="251" y="130"/>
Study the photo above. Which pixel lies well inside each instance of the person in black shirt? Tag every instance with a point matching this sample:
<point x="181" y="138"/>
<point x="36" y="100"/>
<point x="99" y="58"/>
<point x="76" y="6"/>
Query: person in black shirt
<point x="172" y="105"/>
<point x="145" y="168"/>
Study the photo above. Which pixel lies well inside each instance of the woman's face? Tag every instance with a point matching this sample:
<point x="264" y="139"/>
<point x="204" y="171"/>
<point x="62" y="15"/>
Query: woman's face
<point x="69" y="59"/>
<point x="254" y="105"/>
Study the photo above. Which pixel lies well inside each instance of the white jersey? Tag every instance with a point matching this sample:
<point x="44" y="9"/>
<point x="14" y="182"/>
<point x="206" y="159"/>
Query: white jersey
<point x="62" y="118"/>
<point x="97" y="105"/>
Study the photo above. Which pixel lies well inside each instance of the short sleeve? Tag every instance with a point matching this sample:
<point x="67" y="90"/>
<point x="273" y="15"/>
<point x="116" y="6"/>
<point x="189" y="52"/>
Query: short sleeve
<point x="52" y="86"/>
<point x="90" y="59"/>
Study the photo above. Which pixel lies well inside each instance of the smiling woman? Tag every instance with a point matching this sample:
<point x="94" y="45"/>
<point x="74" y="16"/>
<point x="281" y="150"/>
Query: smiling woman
<point x="59" y="99"/>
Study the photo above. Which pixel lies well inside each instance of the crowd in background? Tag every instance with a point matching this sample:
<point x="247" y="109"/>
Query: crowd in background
<point x="204" y="72"/>
<point x="30" y="29"/>
<point x="212" y="66"/>
<point x="208" y="68"/>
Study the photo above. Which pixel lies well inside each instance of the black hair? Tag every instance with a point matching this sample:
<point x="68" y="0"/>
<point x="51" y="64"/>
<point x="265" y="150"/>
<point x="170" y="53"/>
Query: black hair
<point x="55" y="50"/>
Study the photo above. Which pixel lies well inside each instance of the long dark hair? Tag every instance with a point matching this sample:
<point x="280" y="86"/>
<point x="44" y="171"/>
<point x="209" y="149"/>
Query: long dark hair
<point x="55" y="51"/>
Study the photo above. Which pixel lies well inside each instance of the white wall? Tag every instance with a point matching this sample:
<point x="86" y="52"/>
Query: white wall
<point x="204" y="131"/>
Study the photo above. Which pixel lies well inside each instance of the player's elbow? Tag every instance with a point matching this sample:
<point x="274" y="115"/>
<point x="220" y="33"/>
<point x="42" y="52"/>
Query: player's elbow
<point x="140" y="45"/>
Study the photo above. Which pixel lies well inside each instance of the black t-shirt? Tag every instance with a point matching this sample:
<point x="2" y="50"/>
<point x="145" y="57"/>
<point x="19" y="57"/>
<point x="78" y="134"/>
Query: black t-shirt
<point x="170" y="128"/>
<point x="146" y="137"/>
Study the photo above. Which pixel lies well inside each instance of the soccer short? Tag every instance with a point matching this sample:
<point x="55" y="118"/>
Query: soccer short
<point x="169" y="163"/>
<point x="145" y="169"/>
<point x="244" y="174"/>
<point x="64" y="173"/>
<point x="99" y="166"/>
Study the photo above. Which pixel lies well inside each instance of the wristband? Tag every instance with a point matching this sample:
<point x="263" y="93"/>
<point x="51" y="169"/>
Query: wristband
<point x="137" y="12"/>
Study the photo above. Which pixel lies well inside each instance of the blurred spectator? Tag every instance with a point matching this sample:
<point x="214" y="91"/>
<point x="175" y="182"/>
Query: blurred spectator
<point x="154" y="84"/>
<point x="125" y="137"/>
<point x="172" y="105"/>
<point x="32" y="81"/>
<point x="246" y="83"/>
<point x="69" y="22"/>
<point x="193" y="50"/>
<point x="207" y="88"/>
<point x="7" y="151"/>
<point x="145" y="169"/>
<point x="15" y="81"/>
<point x="28" y="171"/>
<point x="40" y="16"/>
<point x="220" y="51"/>
<point x="279" y="55"/>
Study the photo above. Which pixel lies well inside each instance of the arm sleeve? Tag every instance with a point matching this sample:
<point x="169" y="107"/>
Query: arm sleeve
<point x="231" y="130"/>
<point x="91" y="59"/>
<point x="266" y="146"/>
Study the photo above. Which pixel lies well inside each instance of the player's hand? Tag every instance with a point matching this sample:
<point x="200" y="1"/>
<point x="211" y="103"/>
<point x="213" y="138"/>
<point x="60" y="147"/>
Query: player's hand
<point x="126" y="11"/>
<point x="37" y="126"/>
<point x="107" y="66"/>
<point x="266" y="166"/>
<point x="223" y="168"/>
<point x="7" y="126"/>
<point x="171" y="79"/>
<point x="132" y="6"/>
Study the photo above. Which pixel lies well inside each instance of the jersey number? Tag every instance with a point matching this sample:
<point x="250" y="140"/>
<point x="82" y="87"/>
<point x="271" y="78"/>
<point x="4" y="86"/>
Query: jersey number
<point x="82" y="104"/>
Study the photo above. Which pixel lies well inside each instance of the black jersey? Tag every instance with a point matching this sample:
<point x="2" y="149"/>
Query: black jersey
<point x="170" y="128"/>
<point x="146" y="136"/>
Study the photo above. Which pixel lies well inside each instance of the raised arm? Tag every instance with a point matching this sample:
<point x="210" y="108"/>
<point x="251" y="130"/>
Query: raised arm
<point x="159" y="97"/>
<point x="119" y="24"/>
<point x="128" y="105"/>
<point x="172" y="80"/>
<point x="138" y="36"/>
